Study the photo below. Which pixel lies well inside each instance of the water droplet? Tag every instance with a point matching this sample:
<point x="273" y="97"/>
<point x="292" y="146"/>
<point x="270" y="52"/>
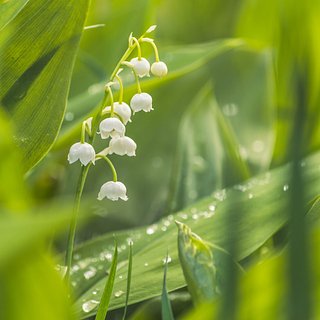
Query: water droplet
<point x="220" y="195"/>
<point x="212" y="207"/>
<point x="250" y="195"/>
<point x="286" y="187"/>
<point x="61" y="269"/>
<point x="166" y="223"/>
<point x="118" y="293"/>
<point x="95" y="291"/>
<point x="168" y="259"/>
<point x="152" y="229"/>
<point x="183" y="215"/>
<point x="195" y="216"/>
<point x="164" y="228"/>
<point x="69" y="116"/>
<point x="89" y="305"/>
<point x="121" y="277"/>
<point x="198" y="164"/>
<point x="146" y="264"/>
<point x="90" y="273"/>
<point x="230" y="109"/>
<point x="75" y="268"/>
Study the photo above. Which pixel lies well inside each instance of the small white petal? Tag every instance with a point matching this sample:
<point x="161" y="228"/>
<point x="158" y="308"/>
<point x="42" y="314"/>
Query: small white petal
<point x="141" y="101"/>
<point x="83" y="152"/>
<point x="111" y="127"/>
<point x="123" y="146"/>
<point x="159" y="69"/>
<point x="113" y="191"/>
<point x="141" y="67"/>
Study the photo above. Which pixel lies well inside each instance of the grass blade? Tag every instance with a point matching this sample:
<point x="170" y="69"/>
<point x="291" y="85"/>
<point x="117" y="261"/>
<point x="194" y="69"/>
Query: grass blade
<point x="106" y="296"/>
<point x="128" y="280"/>
<point x="166" y="309"/>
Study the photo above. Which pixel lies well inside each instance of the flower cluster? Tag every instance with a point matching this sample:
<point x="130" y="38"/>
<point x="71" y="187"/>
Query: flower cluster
<point x="113" y="118"/>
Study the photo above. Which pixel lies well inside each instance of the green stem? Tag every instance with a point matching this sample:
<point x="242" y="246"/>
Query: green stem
<point x="155" y="49"/>
<point x="137" y="80"/>
<point x="136" y="41"/>
<point x="121" y="88"/>
<point x="74" y="218"/>
<point x="113" y="169"/>
<point x="83" y="132"/>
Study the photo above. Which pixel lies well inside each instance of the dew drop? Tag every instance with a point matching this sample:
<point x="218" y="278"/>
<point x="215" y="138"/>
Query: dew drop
<point x="230" y="109"/>
<point x="90" y="273"/>
<point x="121" y="277"/>
<point x="152" y="229"/>
<point x="69" y="116"/>
<point x="168" y="259"/>
<point x="183" y="215"/>
<point x="89" y="305"/>
<point x="95" y="291"/>
<point x="195" y="216"/>
<point x="146" y="264"/>
<point x="286" y="187"/>
<point x="212" y="207"/>
<point x="250" y="195"/>
<point x="118" y="294"/>
<point x="164" y="228"/>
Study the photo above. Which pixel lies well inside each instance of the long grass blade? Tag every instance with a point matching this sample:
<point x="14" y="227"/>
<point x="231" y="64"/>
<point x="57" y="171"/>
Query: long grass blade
<point x="166" y="309"/>
<point x="128" y="280"/>
<point x="105" y="299"/>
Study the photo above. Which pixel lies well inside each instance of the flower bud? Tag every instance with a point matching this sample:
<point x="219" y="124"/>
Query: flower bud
<point x="113" y="191"/>
<point x="122" y="146"/>
<point x="141" y="101"/>
<point x="159" y="69"/>
<point x="111" y="127"/>
<point x="83" y="152"/>
<point x="141" y="66"/>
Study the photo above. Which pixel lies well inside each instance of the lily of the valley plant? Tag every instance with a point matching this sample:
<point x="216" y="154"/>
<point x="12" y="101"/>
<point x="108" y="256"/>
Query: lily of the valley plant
<point x="110" y="123"/>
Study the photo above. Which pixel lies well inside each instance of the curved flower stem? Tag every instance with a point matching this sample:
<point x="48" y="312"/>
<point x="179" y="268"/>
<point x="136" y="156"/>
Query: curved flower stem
<point x="73" y="223"/>
<point x="136" y="41"/>
<point x="113" y="169"/>
<point x="155" y="49"/>
<point x="121" y="88"/>
<point x="137" y="80"/>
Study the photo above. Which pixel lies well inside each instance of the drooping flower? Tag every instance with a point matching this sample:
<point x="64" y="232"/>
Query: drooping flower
<point x="111" y="127"/>
<point x="159" y="69"/>
<point x="122" y="146"/>
<point x="141" y="101"/>
<point x="141" y="66"/>
<point x="122" y="109"/>
<point x="113" y="191"/>
<point x="83" y="152"/>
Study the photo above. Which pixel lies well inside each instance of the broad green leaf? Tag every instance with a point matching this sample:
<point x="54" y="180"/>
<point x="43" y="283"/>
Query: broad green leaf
<point x="37" y="52"/>
<point x="208" y="157"/>
<point x="166" y="310"/>
<point x="129" y="275"/>
<point x="263" y="201"/>
<point x="9" y="9"/>
<point x="205" y="266"/>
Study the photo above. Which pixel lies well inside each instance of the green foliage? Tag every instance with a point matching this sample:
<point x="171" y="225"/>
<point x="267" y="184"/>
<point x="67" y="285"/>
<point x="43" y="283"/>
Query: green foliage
<point x="208" y="218"/>
<point x="166" y="310"/>
<point x="35" y="78"/>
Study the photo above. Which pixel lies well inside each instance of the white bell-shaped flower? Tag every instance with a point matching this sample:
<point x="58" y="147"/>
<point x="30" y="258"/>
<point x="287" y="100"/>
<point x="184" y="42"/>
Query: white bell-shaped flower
<point x="83" y="152"/>
<point x="113" y="191"/>
<point x="159" y="69"/>
<point x="111" y="127"/>
<point x="122" y="109"/>
<point x="122" y="146"/>
<point x="141" y="66"/>
<point x="141" y="101"/>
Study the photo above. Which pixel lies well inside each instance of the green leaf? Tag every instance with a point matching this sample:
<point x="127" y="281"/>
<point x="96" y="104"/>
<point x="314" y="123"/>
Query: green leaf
<point x="208" y="156"/>
<point x="166" y="310"/>
<point x="35" y="79"/>
<point x="9" y="9"/>
<point x="263" y="200"/>
<point x="205" y="266"/>
<point x="105" y="299"/>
